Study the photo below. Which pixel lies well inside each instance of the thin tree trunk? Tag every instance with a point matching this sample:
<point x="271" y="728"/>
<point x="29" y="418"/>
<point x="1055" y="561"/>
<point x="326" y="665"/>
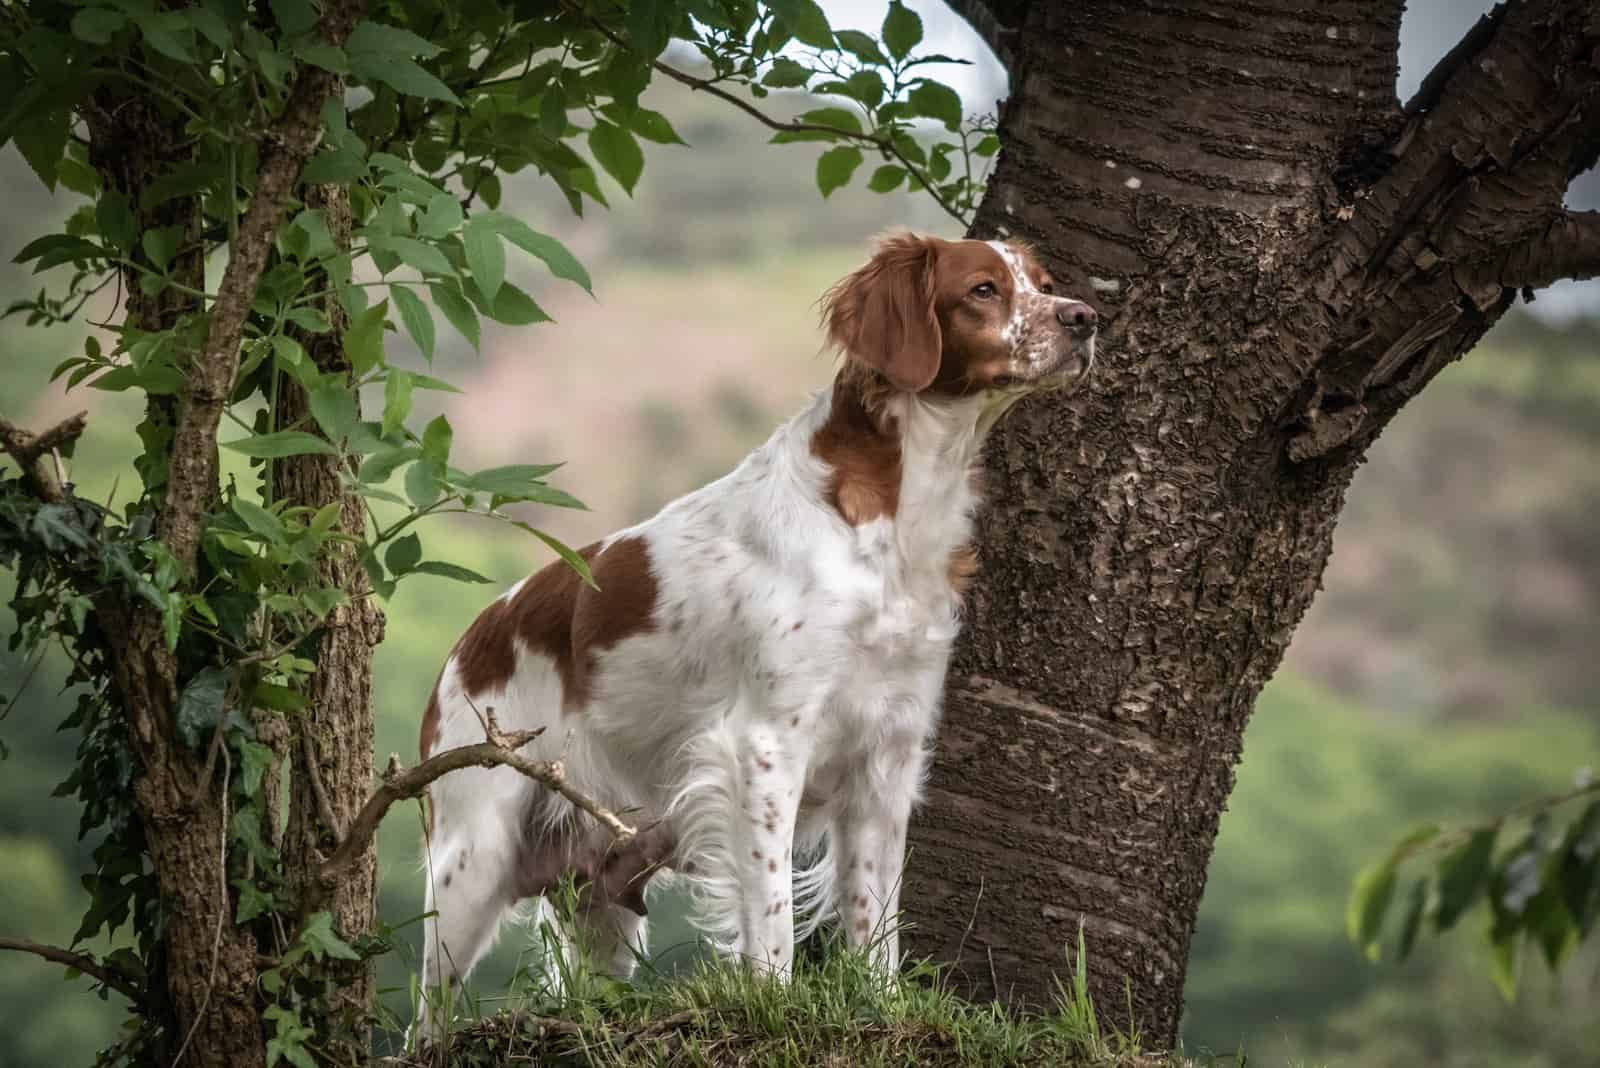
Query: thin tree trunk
<point x="1286" y="256"/>
<point x="331" y="742"/>
<point x="209" y="964"/>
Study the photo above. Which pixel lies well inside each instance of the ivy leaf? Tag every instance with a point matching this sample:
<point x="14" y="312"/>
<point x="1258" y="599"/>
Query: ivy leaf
<point x="615" y="150"/>
<point x="835" y="166"/>
<point x="449" y="571"/>
<point x="805" y="20"/>
<point x="318" y="936"/>
<point x="280" y="444"/>
<point x="255" y="760"/>
<point x="902" y="30"/>
<point x="486" y="257"/>
<point x="363" y="342"/>
<point x="458" y="311"/>
<point x="404" y="554"/>
<point x="417" y="318"/>
<point x="200" y="705"/>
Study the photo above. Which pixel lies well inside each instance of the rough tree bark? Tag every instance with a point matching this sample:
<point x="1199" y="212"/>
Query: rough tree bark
<point x="1285" y="256"/>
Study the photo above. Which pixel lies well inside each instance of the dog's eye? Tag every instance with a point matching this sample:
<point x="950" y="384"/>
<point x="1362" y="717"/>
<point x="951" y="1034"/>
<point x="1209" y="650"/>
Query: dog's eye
<point x="1047" y="287"/>
<point x="984" y="291"/>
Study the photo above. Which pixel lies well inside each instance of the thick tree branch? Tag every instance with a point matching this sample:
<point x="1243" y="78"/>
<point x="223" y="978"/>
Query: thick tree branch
<point x="104" y="973"/>
<point x="285" y="149"/>
<point x="1568" y="248"/>
<point x="996" y="22"/>
<point x="29" y="451"/>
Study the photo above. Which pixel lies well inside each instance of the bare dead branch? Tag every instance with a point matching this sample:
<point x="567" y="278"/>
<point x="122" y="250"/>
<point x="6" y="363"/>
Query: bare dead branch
<point x="98" y="970"/>
<point x="29" y="451"/>
<point x="499" y="749"/>
<point x="284" y="150"/>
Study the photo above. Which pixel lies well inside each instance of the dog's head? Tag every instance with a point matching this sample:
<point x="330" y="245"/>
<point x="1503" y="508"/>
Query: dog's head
<point x="958" y="318"/>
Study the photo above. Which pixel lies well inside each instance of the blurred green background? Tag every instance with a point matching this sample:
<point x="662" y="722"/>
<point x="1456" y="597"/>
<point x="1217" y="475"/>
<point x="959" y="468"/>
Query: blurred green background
<point x="1448" y="670"/>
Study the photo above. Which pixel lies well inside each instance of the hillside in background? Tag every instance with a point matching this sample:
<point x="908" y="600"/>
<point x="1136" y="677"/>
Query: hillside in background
<point x="1448" y="668"/>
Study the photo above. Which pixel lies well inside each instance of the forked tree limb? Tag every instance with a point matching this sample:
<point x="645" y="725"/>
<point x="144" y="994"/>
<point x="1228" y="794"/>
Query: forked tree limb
<point x="284" y="150"/>
<point x="1568" y="248"/>
<point x="29" y="451"/>
<point x="499" y="749"/>
<point x="97" y="970"/>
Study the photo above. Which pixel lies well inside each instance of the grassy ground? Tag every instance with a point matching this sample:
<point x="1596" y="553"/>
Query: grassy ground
<point x="834" y="1013"/>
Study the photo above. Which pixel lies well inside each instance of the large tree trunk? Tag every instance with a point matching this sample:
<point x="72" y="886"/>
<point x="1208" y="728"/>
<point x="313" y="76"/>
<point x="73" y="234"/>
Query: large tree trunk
<point x="1285" y="256"/>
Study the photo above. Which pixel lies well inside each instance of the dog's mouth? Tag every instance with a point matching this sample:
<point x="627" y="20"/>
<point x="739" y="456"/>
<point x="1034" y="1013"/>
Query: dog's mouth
<point x="1072" y="366"/>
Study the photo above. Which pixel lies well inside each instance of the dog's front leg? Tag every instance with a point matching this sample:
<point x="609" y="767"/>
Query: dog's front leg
<point x="870" y="848"/>
<point x="774" y="758"/>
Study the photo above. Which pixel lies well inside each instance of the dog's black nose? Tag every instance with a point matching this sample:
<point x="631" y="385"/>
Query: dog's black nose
<point x="1076" y="316"/>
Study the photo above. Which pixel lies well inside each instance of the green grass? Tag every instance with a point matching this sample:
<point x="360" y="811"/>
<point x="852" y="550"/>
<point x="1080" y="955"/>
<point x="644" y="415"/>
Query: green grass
<point x="834" y="1012"/>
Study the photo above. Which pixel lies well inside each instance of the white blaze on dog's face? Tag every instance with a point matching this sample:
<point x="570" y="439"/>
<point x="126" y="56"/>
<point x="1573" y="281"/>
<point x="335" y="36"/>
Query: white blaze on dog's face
<point x="958" y="318"/>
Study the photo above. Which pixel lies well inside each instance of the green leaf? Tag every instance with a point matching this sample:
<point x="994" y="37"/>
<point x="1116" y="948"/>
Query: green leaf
<point x="280" y="444"/>
<point x="515" y="308"/>
<point x="441" y="217"/>
<point x="654" y="126"/>
<point x="436" y="438"/>
<point x="97" y="25"/>
<point x="403" y="554"/>
<point x="380" y="465"/>
<point x="649" y="26"/>
<point x="417" y="318"/>
<point x="841" y="119"/>
<point x="1462" y="877"/>
<point x="413" y="253"/>
<point x="1507" y="962"/>
<point x="377" y="39"/>
<point x="574" y="561"/>
<point x="1416" y="901"/>
<point x="1369" y="900"/>
<point x="486" y="257"/>
<point x="835" y="166"/>
<point x="318" y="936"/>
<point x="458" y="311"/>
<point x="160" y="245"/>
<point x="114" y="216"/>
<point x="260" y="521"/>
<point x="514" y="480"/>
<point x="615" y="150"/>
<point x="786" y="74"/>
<point x="255" y="761"/>
<point x="402" y="75"/>
<point x="862" y="46"/>
<point x="902" y="30"/>
<point x="937" y="101"/>
<point x="449" y="571"/>
<point x="200" y="705"/>
<point x="363" y="342"/>
<point x="333" y="406"/>
<point x="396" y="400"/>
<point x="290" y="353"/>
<point x="562" y="263"/>
<point x="886" y="178"/>
<point x="294" y="16"/>
<point x="422" y="482"/>
<point x="805" y="20"/>
<point x="324" y="600"/>
<point x="311" y="320"/>
<point x="320" y="53"/>
<point x="41" y="137"/>
<point x="253" y="901"/>
<point x="175" y="40"/>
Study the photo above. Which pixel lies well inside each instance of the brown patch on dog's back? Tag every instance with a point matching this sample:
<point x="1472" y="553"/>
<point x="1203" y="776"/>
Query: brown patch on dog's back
<point x="554" y="612"/>
<point x="862" y="447"/>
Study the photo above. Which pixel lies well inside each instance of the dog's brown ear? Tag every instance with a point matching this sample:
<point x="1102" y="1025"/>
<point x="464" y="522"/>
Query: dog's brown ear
<point x="883" y="314"/>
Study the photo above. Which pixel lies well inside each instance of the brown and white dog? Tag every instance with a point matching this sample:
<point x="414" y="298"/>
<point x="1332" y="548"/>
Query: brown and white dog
<point x="763" y="660"/>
